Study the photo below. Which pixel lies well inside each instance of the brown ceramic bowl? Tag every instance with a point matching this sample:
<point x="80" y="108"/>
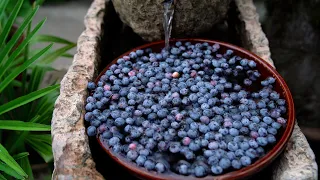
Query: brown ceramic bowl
<point x="282" y="137"/>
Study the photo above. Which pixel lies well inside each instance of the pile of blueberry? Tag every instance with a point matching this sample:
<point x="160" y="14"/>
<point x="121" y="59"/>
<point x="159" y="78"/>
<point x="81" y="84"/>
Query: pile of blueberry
<point x="190" y="110"/>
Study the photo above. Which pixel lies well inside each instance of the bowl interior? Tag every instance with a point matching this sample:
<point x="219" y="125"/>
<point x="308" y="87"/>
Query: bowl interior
<point x="283" y="135"/>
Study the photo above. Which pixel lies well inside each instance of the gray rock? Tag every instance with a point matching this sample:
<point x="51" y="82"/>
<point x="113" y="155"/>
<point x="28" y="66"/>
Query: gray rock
<point x="70" y="144"/>
<point x="297" y="161"/>
<point x="191" y="18"/>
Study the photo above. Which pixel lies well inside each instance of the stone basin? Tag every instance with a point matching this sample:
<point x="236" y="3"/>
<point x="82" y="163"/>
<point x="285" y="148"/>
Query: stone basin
<point x="105" y="37"/>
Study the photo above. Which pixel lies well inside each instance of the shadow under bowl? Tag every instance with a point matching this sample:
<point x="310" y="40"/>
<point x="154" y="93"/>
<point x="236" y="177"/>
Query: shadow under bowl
<point x="283" y="135"/>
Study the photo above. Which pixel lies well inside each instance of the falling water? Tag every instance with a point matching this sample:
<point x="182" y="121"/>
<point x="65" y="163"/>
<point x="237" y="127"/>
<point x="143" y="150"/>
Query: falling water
<point x="167" y="23"/>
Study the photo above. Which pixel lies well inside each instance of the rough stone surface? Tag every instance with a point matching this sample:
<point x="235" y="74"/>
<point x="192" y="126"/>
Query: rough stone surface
<point x="72" y="155"/>
<point x="145" y="17"/>
<point x="298" y="160"/>
<point x="252" y="35"/>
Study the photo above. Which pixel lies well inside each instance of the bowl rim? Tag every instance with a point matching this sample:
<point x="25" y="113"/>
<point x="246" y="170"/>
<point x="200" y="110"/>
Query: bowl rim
<point x="237" y="174"/>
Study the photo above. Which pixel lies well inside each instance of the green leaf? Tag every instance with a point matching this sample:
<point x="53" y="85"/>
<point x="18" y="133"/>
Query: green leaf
<point x="21" y="68"/>
<point x="16" y="83"/>
<point x="7" y="159"/>
<point x="3" y="6"/>
<point x="52" y="56"/>
<point x="23" y="126"/>
<point x="10" y="21"/>
<point x="44" y="107"/>
<point x="20" y="48"/>
<point x="44" y="149"/>
<point x="67" y="55"/>
<point x="9" y="91"/>
<point x="50" y="38"/>
<point x="40" y="2"/>
<point x="8" y="47"/>
<point x="44" y="67"/>
<point x="17" y="141"/>
<point x="20" y="155"/>
<point x="25" y="164"/>
<point x="36" y="78"/>
<point x="5" y="168"/>
<point x="46" y="138"/>
<point x="26" y="99"/>
<point x="48" y="67"/>
<point x="2" y="177"/>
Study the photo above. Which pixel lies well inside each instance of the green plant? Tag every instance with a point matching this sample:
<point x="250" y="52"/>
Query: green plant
<point x="25" y="110"/>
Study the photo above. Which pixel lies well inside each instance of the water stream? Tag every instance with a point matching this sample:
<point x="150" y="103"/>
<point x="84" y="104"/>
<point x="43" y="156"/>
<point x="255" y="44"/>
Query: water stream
<point x="168" y="6"/>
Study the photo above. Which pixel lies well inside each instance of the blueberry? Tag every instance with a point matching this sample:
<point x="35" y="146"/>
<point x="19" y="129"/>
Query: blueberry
<point x="262" y="132"/>
<point x="218" y="137"/>
<point x="204" y="143"/>
<point x="113" y="141"/>
<point x="178" y="44"/>
<point x="186" y="141"/>
<point x="149" y="165"/>
<point x="237" y="124"/>
<point x="271" y="139"/>
<point x="216" y="169"/>
<point x="160" y="167"/>
<point x="271" y="80"/>
<point x="91" y="131"/>
<point x="255" y="119"/>
<point x="147" y="103"/>
<point x="275" y="113"/>
<point x="205" y="119"/>
<point x="200" y="171"/>
<point x="231" y="155"/>
<point x="107" y="135"/>
<point x="91" y="85"/>
<point x="224" y="163"/>
<point x="244" y="145"/>
<point x="262" y="141"/>
<point x="213" y="160"/>
<point x="88" y="116"/>
<point x="253" y="127"/>
<point x="239" y="153"/>
<point x="162" y="113"/>
<point x="91" y="99"/>
<point x="252" y="64"/>
<point x="95" y="123"/>
<point x="132" y="155"/>
<point x="90" y="106"/>
<point x="251" y="153"/>
<point x="157" y="137"/>
<point x="267" y="120"/>
<point x="162" y="146"/>
<point x="281" y="102"/>
<point x="119" y="122"/>
<point x="236" y="164"/>
<point x="129" y="121"/>
<point x="245" y="121"/>
<point x="213" y="145"/>
<point x="245" y="160"/>
<point x="247" y="82"/>
<point x="276" y="125"/>
<point x="253" y="143"/>
<point x="189" y="155"/>
<point x="183" y="169"/>
<point x="244" y="62"/>
<point x="224" y="131"/>
<point x="234" y="132"/>
<point x="232" y="146"/>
